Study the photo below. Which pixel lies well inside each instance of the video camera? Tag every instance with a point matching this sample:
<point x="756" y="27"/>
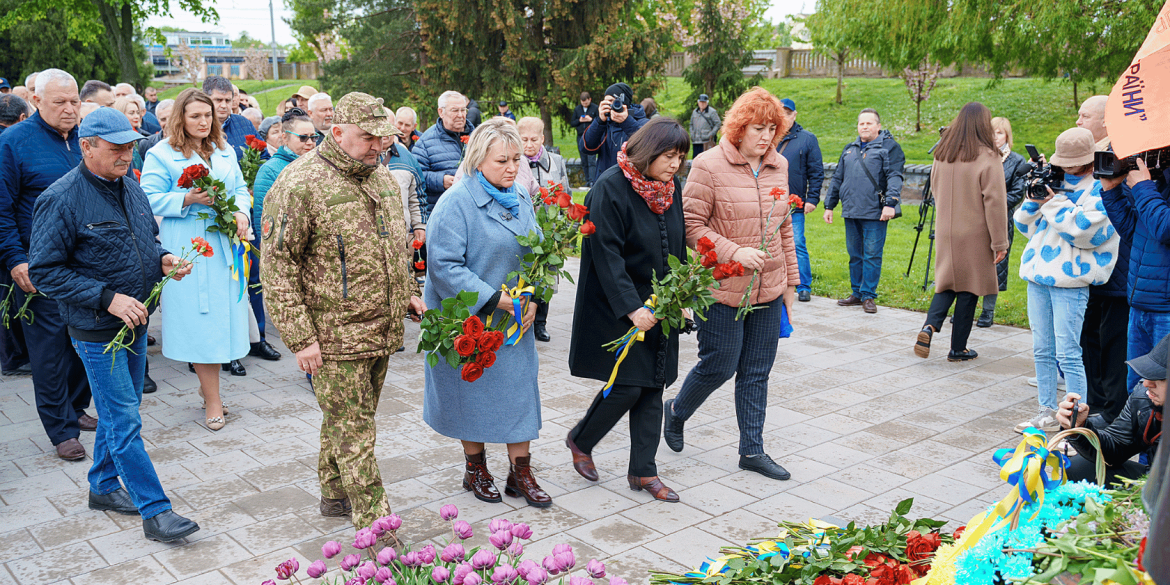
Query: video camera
<point x="1107" y="166"/>
<point x="1042" y="176"/>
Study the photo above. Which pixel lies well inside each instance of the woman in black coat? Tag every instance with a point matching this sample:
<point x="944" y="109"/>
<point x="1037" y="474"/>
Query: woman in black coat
<point x="1014" y="170"/>
<point x="637" y="208"/>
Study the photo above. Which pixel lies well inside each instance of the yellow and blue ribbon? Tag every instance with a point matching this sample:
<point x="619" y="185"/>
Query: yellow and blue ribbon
<point x="623" y="346"/>
<point x="521" y="295"/>
<point x="241" y="265"/>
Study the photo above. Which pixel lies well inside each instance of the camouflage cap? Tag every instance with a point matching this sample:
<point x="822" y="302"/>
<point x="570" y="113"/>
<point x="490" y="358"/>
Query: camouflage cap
<point x="367" y="112"/>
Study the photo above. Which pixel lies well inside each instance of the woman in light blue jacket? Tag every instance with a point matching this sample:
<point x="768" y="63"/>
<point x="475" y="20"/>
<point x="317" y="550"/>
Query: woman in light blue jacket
<point x="205" y="316"/>
<point x="473" y="247"/>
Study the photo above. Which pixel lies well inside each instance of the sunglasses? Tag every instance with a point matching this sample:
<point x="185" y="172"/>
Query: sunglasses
<point x="301" y="137"/>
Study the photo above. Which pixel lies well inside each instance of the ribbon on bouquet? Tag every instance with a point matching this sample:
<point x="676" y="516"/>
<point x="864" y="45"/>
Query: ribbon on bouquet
<point x="241" y="264"/>
<point x="623" y="346"/>
<point x="520" y="296"/>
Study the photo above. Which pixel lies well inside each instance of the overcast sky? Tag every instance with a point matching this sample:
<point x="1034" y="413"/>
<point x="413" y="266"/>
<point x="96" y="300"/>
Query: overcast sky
<point x="236" y="16"/>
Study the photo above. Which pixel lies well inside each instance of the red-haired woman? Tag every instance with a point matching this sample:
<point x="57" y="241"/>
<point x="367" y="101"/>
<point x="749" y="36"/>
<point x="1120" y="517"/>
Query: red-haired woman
<point x="731" y="199"/>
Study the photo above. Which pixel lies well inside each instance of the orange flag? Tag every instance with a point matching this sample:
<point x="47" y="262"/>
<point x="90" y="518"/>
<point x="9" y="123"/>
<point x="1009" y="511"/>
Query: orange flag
<point x="1138" y="111"/>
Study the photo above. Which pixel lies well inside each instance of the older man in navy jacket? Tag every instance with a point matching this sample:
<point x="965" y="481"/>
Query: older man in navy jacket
<point x="806" y="175"/>
<point x="33" y="155"/>
<point x="97" y="255"/>
<point x="441" y="147"/>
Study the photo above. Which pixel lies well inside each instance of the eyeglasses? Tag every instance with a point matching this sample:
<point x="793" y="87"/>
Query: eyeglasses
<point x="301" y="137"/>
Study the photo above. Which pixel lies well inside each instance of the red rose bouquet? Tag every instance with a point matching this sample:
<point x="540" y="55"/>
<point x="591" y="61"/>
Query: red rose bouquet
<point x="224" y="206"/>
<point x="794" y="203"/>
<point x="451" y="332"/>
<point x="252" y="162"/>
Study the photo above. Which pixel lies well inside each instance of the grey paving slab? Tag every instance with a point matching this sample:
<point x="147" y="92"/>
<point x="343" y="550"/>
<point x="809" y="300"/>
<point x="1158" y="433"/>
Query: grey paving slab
<point x="859" y="421"/>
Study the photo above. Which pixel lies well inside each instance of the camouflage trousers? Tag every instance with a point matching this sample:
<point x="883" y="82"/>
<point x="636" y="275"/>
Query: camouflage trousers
<point x="348" y="392"/>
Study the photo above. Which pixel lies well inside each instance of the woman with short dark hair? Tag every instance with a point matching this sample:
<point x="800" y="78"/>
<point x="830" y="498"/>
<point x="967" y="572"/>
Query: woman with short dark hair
<point x="639" y="220"/>
<point x="970" y="196"/>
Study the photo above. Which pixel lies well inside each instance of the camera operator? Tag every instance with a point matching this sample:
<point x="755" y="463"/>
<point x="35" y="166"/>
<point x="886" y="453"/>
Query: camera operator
<point x="613" y="125"/>
<point x="1136" y="430"/>
<point x="1071" y="245"/>
<point x="1137" y="206"/>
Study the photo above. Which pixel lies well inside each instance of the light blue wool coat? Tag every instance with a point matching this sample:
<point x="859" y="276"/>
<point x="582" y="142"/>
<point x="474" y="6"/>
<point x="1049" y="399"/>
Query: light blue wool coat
<point x="204" y="318"/>
<point x="1071" y="242"/>
<point x="471" y="246"/>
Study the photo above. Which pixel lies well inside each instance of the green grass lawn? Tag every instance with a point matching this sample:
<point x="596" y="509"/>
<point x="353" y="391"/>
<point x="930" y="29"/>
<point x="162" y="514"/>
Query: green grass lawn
<point x="268" y="99"/>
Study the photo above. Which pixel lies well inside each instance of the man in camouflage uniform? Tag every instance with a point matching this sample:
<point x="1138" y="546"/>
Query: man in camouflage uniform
<point x="336" y="268"/>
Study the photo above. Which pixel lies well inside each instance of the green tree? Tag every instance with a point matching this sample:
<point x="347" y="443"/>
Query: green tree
<point x="29" y="46"/>
<point x="839" y="29"/>
<point x="109" y="22"/>
<point x="909" y="37"/>
<point x="247" y="42"/>
<point x="540" y="53"/>
<point x="720" y="46"/>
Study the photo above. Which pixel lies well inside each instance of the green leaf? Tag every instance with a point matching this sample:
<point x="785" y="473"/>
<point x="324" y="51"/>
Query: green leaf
<point x="903" y="507"/>
<point x="433" y="359"/>
<point x="452" y="359"/>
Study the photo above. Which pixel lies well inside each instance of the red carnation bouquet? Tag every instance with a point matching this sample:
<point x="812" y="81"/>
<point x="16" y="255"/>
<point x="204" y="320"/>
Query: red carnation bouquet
<point x="771" y="228"/>
<point x="252" y="162"/>
<point x="198" y="176"/>
<point x="451" y="332"/>
<point x="709" y="259"/>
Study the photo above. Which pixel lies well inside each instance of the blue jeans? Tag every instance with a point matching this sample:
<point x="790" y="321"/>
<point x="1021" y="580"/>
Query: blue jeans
<point x="745" y="349"/>
<point x="588" y="161"/>
<point x="1056" y="316"/>
<point x="118" y="451"/>
<point x="865" y="239"/>
<point x="1146" y="329"/>
<point x="801" y="252"/>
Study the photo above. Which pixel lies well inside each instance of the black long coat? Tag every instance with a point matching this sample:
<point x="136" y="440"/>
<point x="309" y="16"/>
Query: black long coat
<point x="618" y="264"/>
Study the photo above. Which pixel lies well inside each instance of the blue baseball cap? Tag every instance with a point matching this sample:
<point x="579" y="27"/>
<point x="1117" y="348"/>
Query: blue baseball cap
<point x="109" y="125"/>
<point x="4" y="83"/>
<point x="788" y="104"/>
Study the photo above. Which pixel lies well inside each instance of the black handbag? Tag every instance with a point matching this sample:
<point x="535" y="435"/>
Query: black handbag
<point x="881" y="196"/>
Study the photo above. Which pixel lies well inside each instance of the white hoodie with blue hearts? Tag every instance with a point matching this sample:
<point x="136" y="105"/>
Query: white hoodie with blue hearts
<point x="1071" y="242"/>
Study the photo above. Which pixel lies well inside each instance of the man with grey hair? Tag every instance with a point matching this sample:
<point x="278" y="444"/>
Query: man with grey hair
<point x="236" y="128"/>
<point x="406" y="119"/>
<point x="12" y="110"/>
<point x="34" y="155"/>
<point x="123" y="90"/>
<point x="321" y="112"/>
<point x="440" y="148"/>
<point x="255" y="117"/>
<point x="31" y="82"/>
<point x="163" y="112"/>
<point x="98" y="92"/>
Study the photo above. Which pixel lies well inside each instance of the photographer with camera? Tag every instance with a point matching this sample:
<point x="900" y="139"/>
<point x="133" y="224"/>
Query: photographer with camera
<point x="618" y="117"/>
<point x="1137" y="430"/>
<point x="1071" y="245"/>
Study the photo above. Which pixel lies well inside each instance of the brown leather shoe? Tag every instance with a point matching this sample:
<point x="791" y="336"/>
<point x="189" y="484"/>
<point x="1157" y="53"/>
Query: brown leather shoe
<point x="582" y="461"/>
<point x="869" y="306"/>
<point x="522" y="484"/>
<point x="654" y="486"/>
<point x="71" y="450"/>
<point x="478" y="480"/>
<point x="331" y="508"/>
<point x="849" y="301"/>
<point x="87" y="423"/>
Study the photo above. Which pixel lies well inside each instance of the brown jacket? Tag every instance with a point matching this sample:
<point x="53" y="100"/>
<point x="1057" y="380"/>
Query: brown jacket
<point x="725" y="202"/>
<point x="971" y="202"/>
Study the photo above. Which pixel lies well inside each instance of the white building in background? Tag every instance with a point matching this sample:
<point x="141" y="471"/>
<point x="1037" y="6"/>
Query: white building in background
<point x="219" y="58"/>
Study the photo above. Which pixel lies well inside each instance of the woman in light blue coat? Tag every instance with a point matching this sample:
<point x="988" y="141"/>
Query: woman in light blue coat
<point x="473" y="247"/>
<point x="205" y="317"/>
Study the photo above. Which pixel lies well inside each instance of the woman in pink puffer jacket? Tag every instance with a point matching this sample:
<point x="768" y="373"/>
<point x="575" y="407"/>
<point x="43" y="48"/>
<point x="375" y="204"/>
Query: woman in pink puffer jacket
<point x="736" y="197"/>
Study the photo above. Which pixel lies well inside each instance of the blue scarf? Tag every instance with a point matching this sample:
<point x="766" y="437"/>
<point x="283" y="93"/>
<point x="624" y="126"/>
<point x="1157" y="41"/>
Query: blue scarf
<point x="507" y="197"/>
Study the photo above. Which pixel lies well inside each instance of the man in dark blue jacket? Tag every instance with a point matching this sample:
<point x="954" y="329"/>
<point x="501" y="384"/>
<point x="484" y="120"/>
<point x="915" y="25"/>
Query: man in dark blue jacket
<point x="1142" y="217"/>
<point x="806" y="174"/>
<point x="868" y="184"/>
<point x="610" y="130"/>
<point x="441" y="147"/>
<point x="33" y="155"/>
<point x="583" y="115"/>
<point x="96" y="253"/>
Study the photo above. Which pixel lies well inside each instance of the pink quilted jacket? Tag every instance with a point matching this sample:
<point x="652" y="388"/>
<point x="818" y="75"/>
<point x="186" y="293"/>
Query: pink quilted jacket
<point x="725" y="202"/>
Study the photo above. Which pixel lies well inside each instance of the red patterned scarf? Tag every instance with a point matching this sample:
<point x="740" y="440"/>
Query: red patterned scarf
<point x="659" y="195"/>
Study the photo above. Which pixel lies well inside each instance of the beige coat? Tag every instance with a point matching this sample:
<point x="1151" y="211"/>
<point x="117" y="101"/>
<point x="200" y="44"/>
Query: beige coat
<point x="971" y="201"/>
<point x="725" y="202"/>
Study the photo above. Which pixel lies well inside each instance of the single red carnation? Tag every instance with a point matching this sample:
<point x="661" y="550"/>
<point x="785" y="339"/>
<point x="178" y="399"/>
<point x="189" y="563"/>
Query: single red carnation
<point x="544" y="193"/>
<point x="417" y="245"/>
<point x="588" y="228"/>
<point x="420" y="265"/>
<point x="704" y="245"/>
<point x="778" y="193"/>
<point x="795" y="201"/>
<point x="202" y="247"/>
<point x="958" y="533"/>
<point x="1141" y="565"/>
<point x="465" y="345"/>
<point x="471" y="372"/>
<point x="465" y="139"/>
<point x="485" y="359"/>
<point x="473" y="327"/>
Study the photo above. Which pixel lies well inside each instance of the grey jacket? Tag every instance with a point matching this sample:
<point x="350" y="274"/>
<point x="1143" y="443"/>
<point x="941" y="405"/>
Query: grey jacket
<point x="704" y="125"/>
<point x="851" y="186"/>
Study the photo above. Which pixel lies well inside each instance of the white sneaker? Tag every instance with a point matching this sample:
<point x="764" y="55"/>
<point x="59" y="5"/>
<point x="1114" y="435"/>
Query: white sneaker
<point x="1045" y="421"/>
<point x="1060" y="385"/>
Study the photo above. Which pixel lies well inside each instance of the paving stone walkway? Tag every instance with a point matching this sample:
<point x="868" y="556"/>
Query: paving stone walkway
<point x="859" y="421"/>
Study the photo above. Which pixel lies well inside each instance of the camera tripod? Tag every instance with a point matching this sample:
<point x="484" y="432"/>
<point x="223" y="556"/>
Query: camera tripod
<point x="924" y="210"/>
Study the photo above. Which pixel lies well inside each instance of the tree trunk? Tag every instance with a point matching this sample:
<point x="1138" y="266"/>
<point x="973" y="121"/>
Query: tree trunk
<point x="918" y="115"/>
<point x="546" y="117"/>
<point x="840" y="74"/>
<point x="1076" y="102"/>
<point x="121" y="30"/>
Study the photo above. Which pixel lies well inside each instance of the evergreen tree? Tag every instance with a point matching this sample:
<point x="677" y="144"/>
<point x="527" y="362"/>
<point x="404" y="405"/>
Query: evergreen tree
<point x="721" y="47"/>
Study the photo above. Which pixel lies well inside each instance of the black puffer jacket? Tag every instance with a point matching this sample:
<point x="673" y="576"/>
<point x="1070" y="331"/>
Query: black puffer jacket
<point x="1136" y="430"/>
<point x="94" y="238"/>
<point x="1014" y="170"/>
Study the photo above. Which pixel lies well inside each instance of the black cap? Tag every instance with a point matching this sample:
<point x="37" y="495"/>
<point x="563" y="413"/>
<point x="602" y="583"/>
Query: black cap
<point x="503" y="103"/>
<point x="1152" y="366"/>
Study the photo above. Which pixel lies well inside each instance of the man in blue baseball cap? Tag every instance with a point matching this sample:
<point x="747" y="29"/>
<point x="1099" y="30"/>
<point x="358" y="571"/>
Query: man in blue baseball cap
<point x="806" y="175"/>
<point x="5" y="87"/>
<point x="95" y="252"/>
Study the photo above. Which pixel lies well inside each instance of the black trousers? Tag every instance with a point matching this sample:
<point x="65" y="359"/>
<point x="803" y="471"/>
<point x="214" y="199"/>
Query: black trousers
<point x="1081" y="468"/>
<point x="59" y="380"/>
<point x="645" y="408"/>
<point x="541" y="312"/>
<point x="1104" y="338"/>
<point x="964" y="303"/>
